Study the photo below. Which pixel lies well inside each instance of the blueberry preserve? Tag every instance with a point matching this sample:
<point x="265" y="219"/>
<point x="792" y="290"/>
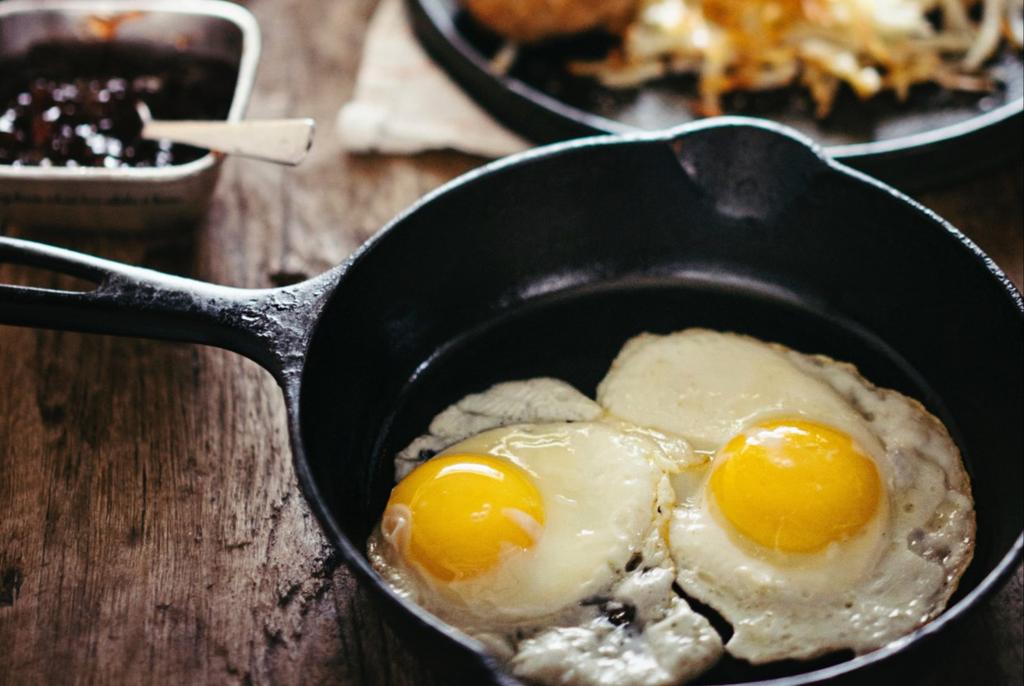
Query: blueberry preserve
<point x="73" y="104"/>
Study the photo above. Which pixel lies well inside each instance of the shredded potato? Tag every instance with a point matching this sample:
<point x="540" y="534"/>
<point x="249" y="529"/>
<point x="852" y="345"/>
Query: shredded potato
<point x="869" y="45"/>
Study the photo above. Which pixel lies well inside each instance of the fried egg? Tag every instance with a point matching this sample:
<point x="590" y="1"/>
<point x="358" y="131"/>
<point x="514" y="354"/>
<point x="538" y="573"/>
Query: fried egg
<point x="822" y="513"/>
<point x="546" y="541"/>
<point x="503" y="526"/>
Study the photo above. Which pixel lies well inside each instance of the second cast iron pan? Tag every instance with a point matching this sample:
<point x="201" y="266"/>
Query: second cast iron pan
<point x="934" y="137"/>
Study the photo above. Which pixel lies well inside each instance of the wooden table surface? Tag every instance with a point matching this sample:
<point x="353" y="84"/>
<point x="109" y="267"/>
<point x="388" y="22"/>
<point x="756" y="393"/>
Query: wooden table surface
<point x="151" y="529"/>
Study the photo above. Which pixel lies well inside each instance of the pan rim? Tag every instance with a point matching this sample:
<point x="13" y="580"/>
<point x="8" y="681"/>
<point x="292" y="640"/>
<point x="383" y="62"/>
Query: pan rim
<point x="355" y="559"/>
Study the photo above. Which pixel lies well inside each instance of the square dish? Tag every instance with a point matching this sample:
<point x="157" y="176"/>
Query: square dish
<point x="129" y="198"/>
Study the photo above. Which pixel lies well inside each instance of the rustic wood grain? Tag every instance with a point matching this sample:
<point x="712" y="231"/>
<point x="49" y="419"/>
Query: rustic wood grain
<point x="151" y="530"/>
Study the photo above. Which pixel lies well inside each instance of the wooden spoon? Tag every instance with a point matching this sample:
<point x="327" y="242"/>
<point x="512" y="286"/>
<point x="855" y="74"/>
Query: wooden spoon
<point x="284" y="141"/>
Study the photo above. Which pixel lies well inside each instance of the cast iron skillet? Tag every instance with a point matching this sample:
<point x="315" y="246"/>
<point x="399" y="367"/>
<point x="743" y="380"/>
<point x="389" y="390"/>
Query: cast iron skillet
<point x="545" y="263"/>
<point x="934" y="137"/>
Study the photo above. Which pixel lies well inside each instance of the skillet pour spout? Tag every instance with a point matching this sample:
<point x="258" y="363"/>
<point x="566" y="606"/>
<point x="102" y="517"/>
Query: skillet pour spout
<point x="544" y="264"/>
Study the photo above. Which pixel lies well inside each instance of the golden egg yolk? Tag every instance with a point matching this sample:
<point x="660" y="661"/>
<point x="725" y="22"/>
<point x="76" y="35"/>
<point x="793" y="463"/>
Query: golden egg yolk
<point x="456" y="516"/>
<point x="795" y="486"/>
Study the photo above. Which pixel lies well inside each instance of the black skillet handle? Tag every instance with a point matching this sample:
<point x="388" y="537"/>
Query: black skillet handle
<point x="270" y="326"/>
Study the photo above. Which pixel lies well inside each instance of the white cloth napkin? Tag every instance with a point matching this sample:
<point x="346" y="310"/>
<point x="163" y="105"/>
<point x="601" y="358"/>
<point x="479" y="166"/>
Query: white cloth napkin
<point x="405" y="103"/>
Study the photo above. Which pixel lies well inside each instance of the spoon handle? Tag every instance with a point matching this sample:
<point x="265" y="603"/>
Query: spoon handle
<point x="285" y="141"/>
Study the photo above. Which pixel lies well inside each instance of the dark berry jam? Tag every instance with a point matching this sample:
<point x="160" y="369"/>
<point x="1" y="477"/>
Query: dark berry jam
<point x="73" y="104"/>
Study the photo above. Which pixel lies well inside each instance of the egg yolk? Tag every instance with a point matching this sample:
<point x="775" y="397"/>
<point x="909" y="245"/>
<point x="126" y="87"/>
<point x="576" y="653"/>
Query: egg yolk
<point x="456" y="516"/>
<point x="795" y="486"/>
